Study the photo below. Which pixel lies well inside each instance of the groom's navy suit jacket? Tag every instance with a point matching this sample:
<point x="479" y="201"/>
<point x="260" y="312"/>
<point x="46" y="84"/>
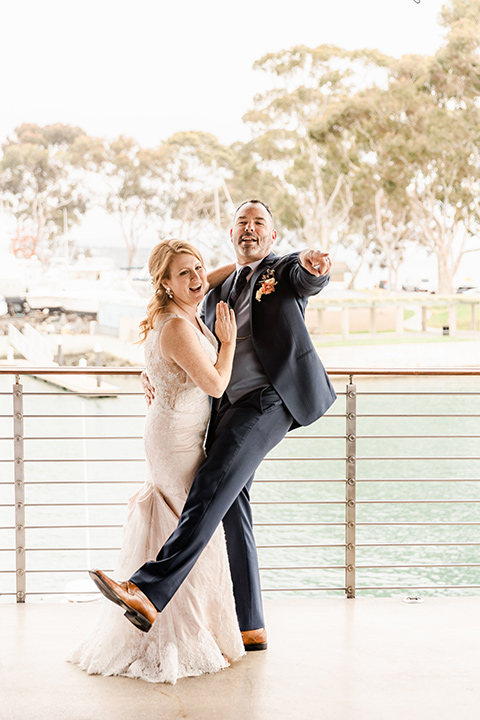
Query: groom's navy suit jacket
<point x="280" y="337"/>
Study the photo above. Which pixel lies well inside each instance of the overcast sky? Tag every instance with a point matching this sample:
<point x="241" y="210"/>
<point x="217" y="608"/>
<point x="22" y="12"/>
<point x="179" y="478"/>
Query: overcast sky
<point x="149" y="68"/>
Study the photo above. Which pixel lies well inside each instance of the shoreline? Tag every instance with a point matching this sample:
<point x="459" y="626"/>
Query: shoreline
<point x="429" y="350"/>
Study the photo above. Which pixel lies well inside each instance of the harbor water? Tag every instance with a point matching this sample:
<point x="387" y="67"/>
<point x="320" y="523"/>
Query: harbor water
<point x="78" y="452"/>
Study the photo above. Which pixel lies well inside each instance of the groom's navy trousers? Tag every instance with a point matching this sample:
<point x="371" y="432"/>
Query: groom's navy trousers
<point x="239" y="438"/>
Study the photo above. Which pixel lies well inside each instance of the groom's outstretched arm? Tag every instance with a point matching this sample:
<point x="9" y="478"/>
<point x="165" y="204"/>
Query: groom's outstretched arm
<point x="310" y="272"/>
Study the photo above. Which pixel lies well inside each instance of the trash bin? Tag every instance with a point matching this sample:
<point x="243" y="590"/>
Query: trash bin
<point x="446" y="330"/>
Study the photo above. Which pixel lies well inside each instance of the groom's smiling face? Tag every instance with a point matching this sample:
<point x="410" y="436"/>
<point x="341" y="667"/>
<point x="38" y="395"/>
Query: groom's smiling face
<point x="253" y="233"/>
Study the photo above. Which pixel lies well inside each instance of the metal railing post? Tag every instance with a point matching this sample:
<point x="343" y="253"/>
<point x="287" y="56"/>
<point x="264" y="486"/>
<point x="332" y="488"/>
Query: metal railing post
<point x="351" y="488"/>
<point x="18" y="435"/>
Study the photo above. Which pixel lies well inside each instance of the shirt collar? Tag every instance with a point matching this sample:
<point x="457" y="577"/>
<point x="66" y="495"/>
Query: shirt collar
<point x="253" y="265"/>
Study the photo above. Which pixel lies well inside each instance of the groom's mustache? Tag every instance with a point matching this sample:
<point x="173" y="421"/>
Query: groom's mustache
<point x="248" y="236"/>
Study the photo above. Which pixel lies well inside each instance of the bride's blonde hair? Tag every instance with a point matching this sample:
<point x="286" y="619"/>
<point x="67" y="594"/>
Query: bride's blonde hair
<point x="159" y="268"/>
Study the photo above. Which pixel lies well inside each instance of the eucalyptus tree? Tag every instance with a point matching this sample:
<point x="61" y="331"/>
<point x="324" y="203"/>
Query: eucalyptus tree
<point x="40" y="180"/>
<point x="122" y="178"/>
<point x="194" y="171"/>
<point x="305" y="81"/>
<point x="195" y="166"/>
<point x="445" y="193"/>
<point x="416" y="141"/>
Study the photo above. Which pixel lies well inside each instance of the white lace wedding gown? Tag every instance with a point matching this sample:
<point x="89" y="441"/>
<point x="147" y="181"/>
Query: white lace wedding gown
<point x="198" y="627"/>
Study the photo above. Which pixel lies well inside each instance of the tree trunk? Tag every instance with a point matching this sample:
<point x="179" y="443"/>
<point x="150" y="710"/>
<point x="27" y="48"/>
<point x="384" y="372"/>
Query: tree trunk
<point x="445" y="285"/>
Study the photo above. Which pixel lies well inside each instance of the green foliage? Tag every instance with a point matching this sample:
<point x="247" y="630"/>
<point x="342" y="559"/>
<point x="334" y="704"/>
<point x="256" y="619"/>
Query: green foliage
<point x="414" y="143"/>
<point x="130" y="191"/>
<point x="194" y="167"/>
<point x="39" y="178"/>
<point x="315" y="176"/>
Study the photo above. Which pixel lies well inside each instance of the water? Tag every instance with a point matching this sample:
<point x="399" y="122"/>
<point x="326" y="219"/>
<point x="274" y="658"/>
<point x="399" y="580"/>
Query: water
<point x="381" y="474"/>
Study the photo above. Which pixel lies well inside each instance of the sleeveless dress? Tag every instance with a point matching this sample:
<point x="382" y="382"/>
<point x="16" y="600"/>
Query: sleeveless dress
<point x="198" y="629"/>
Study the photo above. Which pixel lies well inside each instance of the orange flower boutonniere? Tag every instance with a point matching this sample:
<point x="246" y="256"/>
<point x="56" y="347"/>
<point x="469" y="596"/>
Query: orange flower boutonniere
<point x="267" y="285"/>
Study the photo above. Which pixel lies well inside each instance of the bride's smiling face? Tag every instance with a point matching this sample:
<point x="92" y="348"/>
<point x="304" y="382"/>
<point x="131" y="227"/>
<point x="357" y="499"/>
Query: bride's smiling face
<point x="188" y="279"/>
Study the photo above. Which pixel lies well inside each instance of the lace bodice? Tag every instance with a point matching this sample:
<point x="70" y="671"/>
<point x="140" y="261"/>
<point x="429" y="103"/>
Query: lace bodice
<point x="173" y="388"/>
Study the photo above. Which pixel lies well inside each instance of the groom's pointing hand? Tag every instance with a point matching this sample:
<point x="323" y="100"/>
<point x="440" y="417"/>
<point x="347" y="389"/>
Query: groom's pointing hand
<point x="315" y="262"/>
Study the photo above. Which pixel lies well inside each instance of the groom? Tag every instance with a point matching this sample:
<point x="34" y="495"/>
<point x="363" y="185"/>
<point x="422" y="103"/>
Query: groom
<point x="277" y="383"/>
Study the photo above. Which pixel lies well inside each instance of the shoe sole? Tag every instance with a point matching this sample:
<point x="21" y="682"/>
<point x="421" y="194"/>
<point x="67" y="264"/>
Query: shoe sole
<point x="255" y="646"/>
<point x="135" y="617"/>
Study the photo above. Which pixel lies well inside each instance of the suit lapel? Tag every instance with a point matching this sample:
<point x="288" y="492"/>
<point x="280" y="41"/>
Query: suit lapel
<point x="226" y="287"/>
<point x="266" y="262"/>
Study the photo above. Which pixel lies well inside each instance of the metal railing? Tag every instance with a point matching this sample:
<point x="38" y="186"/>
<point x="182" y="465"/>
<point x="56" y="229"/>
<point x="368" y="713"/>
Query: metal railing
<point x="312" y="498"/>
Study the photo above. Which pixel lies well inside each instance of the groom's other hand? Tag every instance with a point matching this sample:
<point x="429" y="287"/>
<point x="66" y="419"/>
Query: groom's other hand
<point x="315" y="262"/>
<point x="148" y="388"/>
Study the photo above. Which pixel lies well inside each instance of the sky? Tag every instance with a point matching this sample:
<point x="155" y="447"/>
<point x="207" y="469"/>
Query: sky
<point x="150" y="68"/>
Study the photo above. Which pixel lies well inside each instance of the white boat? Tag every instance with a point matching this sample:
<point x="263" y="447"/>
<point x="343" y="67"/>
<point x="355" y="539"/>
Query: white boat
<point x="81" y="287"/>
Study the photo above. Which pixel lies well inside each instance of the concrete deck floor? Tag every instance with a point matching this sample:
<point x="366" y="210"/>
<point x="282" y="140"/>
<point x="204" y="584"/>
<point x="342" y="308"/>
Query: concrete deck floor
<point x="363" y="659"/>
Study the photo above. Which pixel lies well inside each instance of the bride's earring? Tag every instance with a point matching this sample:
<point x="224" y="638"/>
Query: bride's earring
<point x="169" y="293"/>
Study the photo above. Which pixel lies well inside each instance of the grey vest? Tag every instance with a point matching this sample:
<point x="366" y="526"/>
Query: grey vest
<point x="248" y="373"/>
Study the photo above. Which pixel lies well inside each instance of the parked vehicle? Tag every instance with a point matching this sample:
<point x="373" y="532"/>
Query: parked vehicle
<point x="471" y="291"/>
<point x="467" y="289"/>
<point x="422" y="285"/>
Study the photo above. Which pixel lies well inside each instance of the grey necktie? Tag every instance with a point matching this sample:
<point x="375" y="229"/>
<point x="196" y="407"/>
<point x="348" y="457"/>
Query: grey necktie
<point x="240" y="282"/>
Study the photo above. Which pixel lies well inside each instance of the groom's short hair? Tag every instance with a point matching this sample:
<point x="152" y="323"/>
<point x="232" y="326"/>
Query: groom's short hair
<point x="258" y="202"/>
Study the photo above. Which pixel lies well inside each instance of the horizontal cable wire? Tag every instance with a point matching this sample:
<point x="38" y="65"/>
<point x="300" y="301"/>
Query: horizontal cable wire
<point x="416" y="587"/>
<point x="414" y="437"/>
<point x="416" y="502"/>
<point x="267" y="459"/>
<point x="108" y="503"/>
<point x="305" y="567"/>
<point x="418" y="392"/>
<point x="257" y="480"/>
<point x="418" y="415"/>
<point x="417" y="524"/>
<point x="428" y="565"/>
<point x="342" y="372"/>
<point x="80" y="393"/>
<point x="303" y="589"/>
<point x="419" y="544"/>
<point x="97" y="417"/>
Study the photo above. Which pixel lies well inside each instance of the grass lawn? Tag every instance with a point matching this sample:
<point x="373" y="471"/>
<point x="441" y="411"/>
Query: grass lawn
<point x="384" y="338"/>
<point x="439" y="317"/>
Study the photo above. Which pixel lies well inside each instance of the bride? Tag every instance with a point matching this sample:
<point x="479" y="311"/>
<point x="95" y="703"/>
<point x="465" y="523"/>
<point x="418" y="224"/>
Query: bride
<point x="198" y="630"/>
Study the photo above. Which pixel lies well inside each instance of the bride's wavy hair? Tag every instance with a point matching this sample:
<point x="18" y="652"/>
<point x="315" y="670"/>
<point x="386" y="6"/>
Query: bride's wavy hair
<point x="159" y="268"/>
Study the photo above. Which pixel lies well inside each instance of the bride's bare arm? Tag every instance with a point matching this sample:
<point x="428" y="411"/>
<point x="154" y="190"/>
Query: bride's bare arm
<point x="217" y="276"/>
<point x="179" y="342"/>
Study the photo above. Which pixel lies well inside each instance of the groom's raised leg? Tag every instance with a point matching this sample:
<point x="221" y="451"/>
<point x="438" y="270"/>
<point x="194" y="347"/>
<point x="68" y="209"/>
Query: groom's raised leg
<point x="246" y="432"/>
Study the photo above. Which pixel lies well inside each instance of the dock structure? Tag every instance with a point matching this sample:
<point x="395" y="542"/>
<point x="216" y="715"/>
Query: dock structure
<point x="37" y="350"/>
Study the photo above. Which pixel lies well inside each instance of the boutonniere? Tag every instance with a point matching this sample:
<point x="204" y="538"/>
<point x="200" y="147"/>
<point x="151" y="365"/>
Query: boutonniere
<point x="267" y="285"/>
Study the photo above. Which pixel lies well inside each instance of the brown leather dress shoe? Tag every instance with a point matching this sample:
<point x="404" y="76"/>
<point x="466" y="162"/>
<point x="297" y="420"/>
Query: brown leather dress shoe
<point x="139" y="610"/>
<point x="255" y="639"/>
